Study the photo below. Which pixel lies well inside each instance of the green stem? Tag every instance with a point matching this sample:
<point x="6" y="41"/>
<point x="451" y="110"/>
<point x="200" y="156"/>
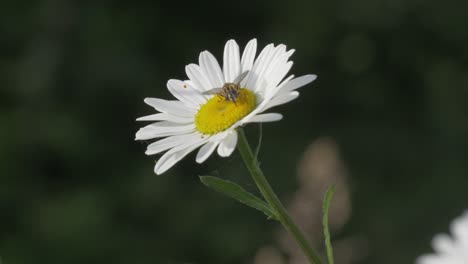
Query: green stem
<point x="270" y="196"/>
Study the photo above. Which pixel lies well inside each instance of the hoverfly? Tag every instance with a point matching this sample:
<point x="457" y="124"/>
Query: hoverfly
<point x="230" y="90"/>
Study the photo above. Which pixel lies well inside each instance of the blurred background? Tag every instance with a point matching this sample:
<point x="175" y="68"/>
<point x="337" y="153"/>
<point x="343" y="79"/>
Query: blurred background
<point x="386" y="121"/>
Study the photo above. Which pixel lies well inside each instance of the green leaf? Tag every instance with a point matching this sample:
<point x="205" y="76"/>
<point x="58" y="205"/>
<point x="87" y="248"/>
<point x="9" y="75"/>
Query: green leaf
<point x="326" y="232"/>
<point x="235" y="191"/>
<point x="259" y="144"/>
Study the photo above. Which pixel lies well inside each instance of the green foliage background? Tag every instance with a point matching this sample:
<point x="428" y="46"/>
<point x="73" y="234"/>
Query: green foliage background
<point x="76" y="188"/>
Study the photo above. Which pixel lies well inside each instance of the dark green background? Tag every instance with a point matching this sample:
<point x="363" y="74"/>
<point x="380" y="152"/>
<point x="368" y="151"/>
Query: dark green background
<point x="76" y="188"/>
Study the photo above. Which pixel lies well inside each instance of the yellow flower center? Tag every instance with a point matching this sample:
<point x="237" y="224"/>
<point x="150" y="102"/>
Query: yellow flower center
<point x="218" y="114"/>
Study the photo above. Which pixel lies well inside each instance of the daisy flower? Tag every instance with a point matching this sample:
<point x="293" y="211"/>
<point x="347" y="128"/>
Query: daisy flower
<point x="450" y="250"/>
<point x="203" y="118"/>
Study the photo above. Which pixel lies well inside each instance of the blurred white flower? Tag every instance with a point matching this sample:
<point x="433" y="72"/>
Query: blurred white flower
<point x="200" y="119"/>
<point x="450" y="250"/>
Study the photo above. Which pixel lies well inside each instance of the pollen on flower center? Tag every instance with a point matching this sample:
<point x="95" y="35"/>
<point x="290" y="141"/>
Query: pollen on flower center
<point x="218" y="114"/>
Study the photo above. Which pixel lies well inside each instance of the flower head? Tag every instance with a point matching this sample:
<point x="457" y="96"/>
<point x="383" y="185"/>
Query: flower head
<point x="214" y="102"/>
<point x="450" y="250"/>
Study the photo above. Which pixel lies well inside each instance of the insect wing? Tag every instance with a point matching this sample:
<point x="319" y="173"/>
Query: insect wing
<point x="241" y="77"/>
<point x="212" y="91"/>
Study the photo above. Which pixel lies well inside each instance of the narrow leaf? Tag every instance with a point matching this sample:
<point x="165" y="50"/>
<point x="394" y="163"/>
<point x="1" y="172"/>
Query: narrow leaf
<point x="326" y="232"/>
<point x="235" y="191"/>
<point x="259" y="144"/>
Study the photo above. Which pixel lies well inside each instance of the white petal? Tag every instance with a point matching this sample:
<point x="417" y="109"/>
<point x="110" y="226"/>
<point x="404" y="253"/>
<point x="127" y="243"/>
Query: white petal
<point x="163" y="129"/>
<point x="199" y="79"/>
<point x="269" y="117"/>
<point x="231" y="61"/>
<point x="189" y="82"/>
<point x="248" y="56"/>
<point x="281" y="99"/>
<point x="279" y="87"/>
<point x="228" y="144"/>
<point x="276" y="69"/>
<point x="299" y="82"/>
<point x="272" y="88"/>
<point x="266" y="66"/>
<point x="166" y="117"/>
<point x="442" y="243"/>
<point x="171" y="107"/>
<point x="265" y="100"/>
<point x="253" y="74"/>
<point x="174" y="155"/>
<point x="185" y="93"/>
<point x="429" y="259"/>
<point x="459" y="228"/>
<point x="279" y="62"/>
<point x="206" y="151"/>
<point x="169" y="142"/>
<point x="211" y="69"/>
<point x="263" y="105"/>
